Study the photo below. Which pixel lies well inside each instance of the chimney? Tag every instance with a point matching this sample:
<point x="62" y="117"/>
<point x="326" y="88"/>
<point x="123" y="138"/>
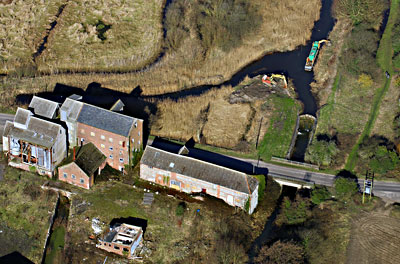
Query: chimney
<point x="74" y="155"/>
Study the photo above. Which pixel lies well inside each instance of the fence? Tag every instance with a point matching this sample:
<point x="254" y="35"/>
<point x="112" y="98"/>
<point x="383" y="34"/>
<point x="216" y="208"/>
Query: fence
<point x="296" y="163"/>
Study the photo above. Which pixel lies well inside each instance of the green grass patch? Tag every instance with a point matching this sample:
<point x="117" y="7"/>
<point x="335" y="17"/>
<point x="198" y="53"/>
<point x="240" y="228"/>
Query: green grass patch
<point x="384" y="59"/>
<point x="56" y="244"/>
<point x="282" y="123"/>
<point x="261" y="186"/>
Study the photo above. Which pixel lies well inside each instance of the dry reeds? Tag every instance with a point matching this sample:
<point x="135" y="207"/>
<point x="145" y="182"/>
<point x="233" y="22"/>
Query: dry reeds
<point x="24" y="24"/>
<point x="104" y="36"/>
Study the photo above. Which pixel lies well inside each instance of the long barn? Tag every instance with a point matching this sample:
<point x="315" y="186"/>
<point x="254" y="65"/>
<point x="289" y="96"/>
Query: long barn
<point x="190" y="175"/>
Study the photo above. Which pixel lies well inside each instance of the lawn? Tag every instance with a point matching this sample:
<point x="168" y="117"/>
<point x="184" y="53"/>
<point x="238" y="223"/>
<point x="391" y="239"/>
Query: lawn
<point x="104" y="36"/>
<point x="282" y="123"/>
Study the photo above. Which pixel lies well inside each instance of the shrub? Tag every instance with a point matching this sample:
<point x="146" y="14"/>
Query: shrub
<point x="396" y="63"/>
<point x="261" y="186"/>
<point x="296" y="212"/>
<point x="360" y="11"/>
<point x="321" y="152"/>
<point x="180" y="209"/>
<point x="319" y="195"/>
<point x="345" y="188"/>
<point x="365" y="80"/>
<point x="281" y="252"/>
<point x="383" y="160"/>
<point x="397" y="81"/>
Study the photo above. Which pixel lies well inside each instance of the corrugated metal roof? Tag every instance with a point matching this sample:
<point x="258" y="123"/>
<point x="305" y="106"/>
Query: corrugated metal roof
<point x="39" y="132"/>
<point x="43" y="107"/>
<point x="105" y="119"/>
<point x="198" y="169"/>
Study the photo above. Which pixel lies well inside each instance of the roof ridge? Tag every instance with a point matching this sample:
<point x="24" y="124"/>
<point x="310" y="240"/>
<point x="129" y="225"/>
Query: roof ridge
<point x="202" y="161"/>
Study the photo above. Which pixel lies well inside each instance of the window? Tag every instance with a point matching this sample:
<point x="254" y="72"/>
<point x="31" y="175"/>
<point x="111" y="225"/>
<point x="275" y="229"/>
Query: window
<point x="139" y="142"/>
<point x="125" y="249"/>
<point x="121" y="160"/>
<point x="120" y="143"/>
<point x="135" y="124"/>
<point x="121" y="152"/>
<point x="171" y="165"/>
<point x="83" y="131"/>
<point x="133" y="140"/>
<point x="123" y="144"/>
<point x="102" y="145"/>
<point x="82" y="139"/>
<point x="111" y="156"/>
<point x="82" y="181"/>
<point x="116" y="247"/>
<point x="102" y="137"/>
<point x="175" y="183"/>
<point x="138" y="133"/>
<point x="73" y="176"/>
<point x="65" y="175"/>
<point x="121" y="168"/>
<point x="110" y="139"/>
<point x="111" y="148"/>
<point x="92" y="134"/>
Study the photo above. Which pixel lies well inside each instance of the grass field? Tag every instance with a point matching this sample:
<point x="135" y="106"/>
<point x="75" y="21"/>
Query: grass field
<point x="384" y="58"/>
<point x="25" y="212"/>
<point x="277" y="139"/>
<point x="24" y="24"/>
<point x="104" y="36"/>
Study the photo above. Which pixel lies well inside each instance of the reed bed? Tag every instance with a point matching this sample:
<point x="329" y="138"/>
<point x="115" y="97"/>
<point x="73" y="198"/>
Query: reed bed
<point x="104" y="36"/>
<point x="23" y="26"/>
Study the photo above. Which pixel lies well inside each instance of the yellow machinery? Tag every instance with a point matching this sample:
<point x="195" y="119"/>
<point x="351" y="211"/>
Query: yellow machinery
<point x="273" y="80"/>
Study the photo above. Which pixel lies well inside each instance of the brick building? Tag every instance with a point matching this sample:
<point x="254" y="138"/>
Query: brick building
<point x="32" y="143"/>
<point x="122" y="240"/>
<point x="82" y="170"/>
<point x="191" y="175"/>
<point x="116" y="135"/>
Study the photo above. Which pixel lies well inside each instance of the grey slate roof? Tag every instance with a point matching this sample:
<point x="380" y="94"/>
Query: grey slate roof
<point x="198" y="169"/>
<point x="72" y="109"/>
<point x="43" y="107"/>
<point x="105" y="119"/>
<point x="39" y="132"/>
<point x="89" y="158"/>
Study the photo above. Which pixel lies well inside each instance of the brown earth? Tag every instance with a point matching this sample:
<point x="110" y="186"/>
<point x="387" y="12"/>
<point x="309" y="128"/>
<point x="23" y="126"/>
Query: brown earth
<point x="375" y="238"/>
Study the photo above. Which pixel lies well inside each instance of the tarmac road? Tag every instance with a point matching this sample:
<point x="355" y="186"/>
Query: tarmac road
<point x="3" y="119"/>
<point x="390" y="190"/>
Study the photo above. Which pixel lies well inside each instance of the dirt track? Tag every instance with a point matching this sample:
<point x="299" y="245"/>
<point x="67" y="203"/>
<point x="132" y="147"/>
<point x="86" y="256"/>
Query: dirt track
<point x="374" y="239"/>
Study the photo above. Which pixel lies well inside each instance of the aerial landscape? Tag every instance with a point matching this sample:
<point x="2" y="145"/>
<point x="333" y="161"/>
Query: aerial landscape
<point x="200" y="131"/>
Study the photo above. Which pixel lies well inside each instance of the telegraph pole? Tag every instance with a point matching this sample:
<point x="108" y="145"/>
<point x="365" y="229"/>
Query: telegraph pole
<point x="368" y="185"/>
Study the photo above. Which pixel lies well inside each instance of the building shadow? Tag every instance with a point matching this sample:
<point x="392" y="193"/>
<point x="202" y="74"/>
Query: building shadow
<point x="15" y="258"/>
<point x="95" y="94"/>
<point x="211" y="157"/>
<point x="130" y="221"/>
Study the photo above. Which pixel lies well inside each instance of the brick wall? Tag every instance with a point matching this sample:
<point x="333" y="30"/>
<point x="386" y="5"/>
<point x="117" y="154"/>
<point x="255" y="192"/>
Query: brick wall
<point x="136" y="135"/>
<point x="189" y="185"/>
<point x="66" y="172"/>
<point x="113" y="146"/>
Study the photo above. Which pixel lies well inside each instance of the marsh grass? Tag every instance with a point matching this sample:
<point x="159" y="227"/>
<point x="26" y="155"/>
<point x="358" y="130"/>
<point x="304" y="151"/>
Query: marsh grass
<point x="104" y="36"/>
<point x="24" y="24"/>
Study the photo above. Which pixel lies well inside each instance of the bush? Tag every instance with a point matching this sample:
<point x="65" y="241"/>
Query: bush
<point x="261" y="186"/>
<point x="396" y="63"/>
<point x="345" y="188"/>
<point x="365" y="80"/>
<point x="383" y="160"/>
<point x="281" y="252"/>
<point x="321" y="152"/>
<point x="180" y="209"/>
<point x="294" y="213"/>
<point x="397" y="81"/>
<point x="319" y="195"/>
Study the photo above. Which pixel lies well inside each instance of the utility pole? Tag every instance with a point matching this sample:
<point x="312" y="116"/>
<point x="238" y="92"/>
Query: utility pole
<point x="368" y="185"/>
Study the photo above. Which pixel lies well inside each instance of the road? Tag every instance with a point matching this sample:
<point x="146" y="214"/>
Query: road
<point x="3" y="119"/>
<point x="390" y="190"/>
